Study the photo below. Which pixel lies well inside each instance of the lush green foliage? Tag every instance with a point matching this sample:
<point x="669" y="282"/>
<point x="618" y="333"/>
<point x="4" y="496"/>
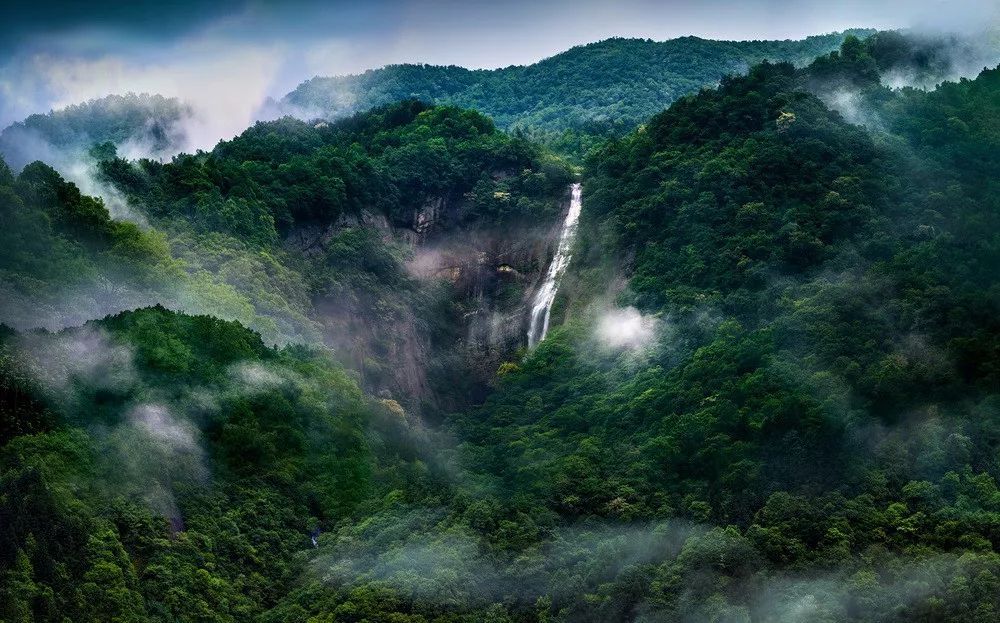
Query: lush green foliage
<point x="391" y="161"/>
<point x="305" y="221"/>
<point x="803" y="425"/>
<point x="150" y="124"/>
<point x="240" y="232"/>
<point x="64" y="260"/>
<point x="596" y="89"/>
<point x="175" y="469"/>
<point x="822" y="377"/>
<point x="55" y="240"/>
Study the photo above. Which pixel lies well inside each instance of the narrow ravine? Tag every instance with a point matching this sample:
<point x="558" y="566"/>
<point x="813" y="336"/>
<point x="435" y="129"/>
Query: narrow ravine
<point x="541" y="307"/>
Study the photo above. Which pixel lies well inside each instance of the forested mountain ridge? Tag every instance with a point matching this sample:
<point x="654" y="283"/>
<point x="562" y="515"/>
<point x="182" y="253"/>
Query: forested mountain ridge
<point x="770" y="392"/>
<point x="611" y="85"/>
<point x="570" y="101"/>
<point x="147" y="125"/>
<point x="598" y="94"/>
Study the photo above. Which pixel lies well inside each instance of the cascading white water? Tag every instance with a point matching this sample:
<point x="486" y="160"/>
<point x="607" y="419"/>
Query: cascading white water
<point x="546" y="295"/>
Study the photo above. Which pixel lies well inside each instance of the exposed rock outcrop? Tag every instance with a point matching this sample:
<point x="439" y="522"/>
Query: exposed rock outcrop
<point x="490" y="277"/>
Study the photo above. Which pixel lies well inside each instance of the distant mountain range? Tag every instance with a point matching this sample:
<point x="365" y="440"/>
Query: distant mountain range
<point x="613" y="84"/>
<point x="140" y="125"/>
<point x="570" y="101"/>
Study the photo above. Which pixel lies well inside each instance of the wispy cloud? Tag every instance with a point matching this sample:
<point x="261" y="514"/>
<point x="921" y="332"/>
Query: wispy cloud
<point x="626" y="329"/>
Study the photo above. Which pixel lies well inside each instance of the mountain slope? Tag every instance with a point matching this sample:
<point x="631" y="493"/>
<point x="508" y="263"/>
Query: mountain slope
<point x="141" y="125"/>
<point x="770" y="392"/>
<point x="405" y="230"/>
<point x="611" y="85"/>
<point x="160" y="455"/>
<point x="811" y="369"/>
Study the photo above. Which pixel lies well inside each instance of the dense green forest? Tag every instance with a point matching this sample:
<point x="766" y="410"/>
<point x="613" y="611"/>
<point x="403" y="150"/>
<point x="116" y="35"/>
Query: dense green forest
<point x="822" y="383"/>
<point x="570" y="100"/>
<point x="138" y="409"/>
<point x="152" y="125"/>
<point x="770" y="392"/>
<point x="288" y="229"/>
<point x="167" y="467"/>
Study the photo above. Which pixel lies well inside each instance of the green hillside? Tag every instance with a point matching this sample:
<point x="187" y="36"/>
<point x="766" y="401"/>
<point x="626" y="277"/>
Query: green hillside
<point x="149" y="124"/>
<point x="609" y="86"/>
<point x="297" y="391"/>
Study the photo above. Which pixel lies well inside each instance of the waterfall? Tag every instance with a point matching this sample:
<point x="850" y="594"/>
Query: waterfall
<point x="542" y="305"/>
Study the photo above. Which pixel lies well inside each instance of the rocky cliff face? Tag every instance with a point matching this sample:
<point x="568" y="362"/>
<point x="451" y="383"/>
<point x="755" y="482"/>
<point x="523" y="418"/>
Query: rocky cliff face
<point x="469" y="304"/>
<point x="495" y="274"/>
<point x="312" y="240"/>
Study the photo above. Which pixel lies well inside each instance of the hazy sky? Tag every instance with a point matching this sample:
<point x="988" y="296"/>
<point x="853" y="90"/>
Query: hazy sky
<point x="228" y="55"/>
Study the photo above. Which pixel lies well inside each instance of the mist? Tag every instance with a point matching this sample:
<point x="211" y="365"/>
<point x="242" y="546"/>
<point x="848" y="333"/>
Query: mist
<point x="87" y="356"/>
<point x="626" y="328"/>
<point x="418" y="553"/>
